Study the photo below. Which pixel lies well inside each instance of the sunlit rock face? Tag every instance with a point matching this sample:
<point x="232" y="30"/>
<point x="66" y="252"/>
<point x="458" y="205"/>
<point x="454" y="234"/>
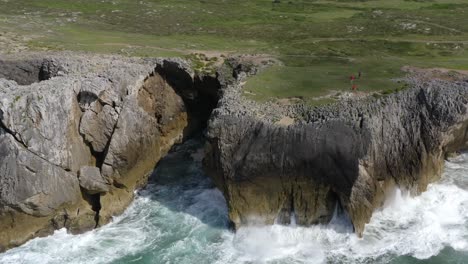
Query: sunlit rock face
<point x="112" y="118"/>
<point x="348" y="154"/>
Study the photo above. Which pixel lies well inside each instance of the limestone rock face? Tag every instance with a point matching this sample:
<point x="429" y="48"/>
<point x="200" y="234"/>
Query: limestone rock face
<point x="31" y="184"/>
<point x="69" y="121"/>
<point x="91" y="180"/>
<point x="347" y="155"/>
<point x="150" y="114"/>
<point x="46" y="121"/>
<point x="98" y="125"/>
<point x="101" y="105"/>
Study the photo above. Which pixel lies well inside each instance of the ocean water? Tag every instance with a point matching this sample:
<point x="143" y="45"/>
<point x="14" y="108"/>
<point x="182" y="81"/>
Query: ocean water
<point x="180" y="217"/>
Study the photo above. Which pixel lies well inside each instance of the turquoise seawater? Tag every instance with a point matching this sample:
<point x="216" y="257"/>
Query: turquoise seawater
<point x="180" y="217"/>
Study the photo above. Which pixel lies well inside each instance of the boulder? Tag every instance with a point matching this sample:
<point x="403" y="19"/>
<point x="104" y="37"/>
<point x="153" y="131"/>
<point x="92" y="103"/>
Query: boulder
<point x="97" y="125"/>
<point x="91" y="180"/>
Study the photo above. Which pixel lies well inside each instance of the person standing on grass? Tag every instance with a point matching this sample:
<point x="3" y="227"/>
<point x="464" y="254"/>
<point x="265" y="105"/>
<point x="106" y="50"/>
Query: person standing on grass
<point x="359" y="75"/>
<point x="352" y="78"/>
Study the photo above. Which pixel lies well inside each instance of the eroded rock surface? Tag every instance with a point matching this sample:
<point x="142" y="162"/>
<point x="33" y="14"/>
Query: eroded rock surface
<point x="91" y="180"/>
<point x="347" y="155"/>
<point x="79" y="133"/>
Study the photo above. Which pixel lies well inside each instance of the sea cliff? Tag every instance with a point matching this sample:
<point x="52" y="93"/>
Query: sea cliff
<point x="346" y="155"/>
<point x="79" y="133"/>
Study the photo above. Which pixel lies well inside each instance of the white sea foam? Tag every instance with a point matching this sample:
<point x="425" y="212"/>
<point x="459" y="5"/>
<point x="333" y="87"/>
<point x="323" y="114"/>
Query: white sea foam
<point x="184" y="220"/>
<point x="418" y="226"/>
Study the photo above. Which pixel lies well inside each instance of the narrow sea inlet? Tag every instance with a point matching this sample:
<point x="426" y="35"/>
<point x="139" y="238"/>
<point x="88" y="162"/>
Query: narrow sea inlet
<point x="180" y="217"/>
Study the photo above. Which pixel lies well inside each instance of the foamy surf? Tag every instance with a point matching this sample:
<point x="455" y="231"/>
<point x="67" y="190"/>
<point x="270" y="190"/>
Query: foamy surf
<point x="181" y="218"/>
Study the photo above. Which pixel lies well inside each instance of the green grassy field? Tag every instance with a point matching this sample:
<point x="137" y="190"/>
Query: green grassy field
<point x="320" y="43"/>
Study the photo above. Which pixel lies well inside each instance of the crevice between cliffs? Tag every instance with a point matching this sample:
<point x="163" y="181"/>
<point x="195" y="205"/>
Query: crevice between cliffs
<point x="199" y="94"/>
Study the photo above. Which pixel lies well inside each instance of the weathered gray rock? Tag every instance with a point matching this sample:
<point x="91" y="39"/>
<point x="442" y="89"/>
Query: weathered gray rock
<point x="31" y="184"/>
<point x="97" y="125"/>
<point x="91" y="180"/>
<point x="348" y="154"/>
<point x="45" y="118"/>
<point x="60" y="113"/>
<point x="142" y="124"/>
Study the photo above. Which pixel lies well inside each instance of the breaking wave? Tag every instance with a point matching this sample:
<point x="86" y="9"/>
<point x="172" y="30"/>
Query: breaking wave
<point x="180" y="217"/>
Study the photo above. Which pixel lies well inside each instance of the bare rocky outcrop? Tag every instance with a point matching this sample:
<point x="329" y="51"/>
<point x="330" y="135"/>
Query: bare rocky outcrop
<point x="78" y="134"/>
<point x="91" y="180"/>
<point x="348" y="154"/>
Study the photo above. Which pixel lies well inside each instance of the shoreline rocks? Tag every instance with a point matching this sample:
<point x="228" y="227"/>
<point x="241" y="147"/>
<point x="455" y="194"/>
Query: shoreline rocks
<point x="80" y="133"/>
<point x="349" y="154"/>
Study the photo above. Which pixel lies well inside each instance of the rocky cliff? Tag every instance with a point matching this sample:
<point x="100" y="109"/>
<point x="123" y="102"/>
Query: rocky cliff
<point x="347" y="155"/>
<point x="79" y="133"/>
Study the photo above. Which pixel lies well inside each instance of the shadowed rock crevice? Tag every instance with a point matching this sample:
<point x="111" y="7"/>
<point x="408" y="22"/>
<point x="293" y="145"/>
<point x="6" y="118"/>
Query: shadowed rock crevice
<point x="199" y="92"/>
<point x="4" y="129"/>
<point x="26" y="72"/>
<point x="94" y="200"/>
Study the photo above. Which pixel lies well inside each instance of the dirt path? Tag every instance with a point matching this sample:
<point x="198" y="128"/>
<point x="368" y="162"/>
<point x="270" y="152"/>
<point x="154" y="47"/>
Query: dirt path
<point x="317" y="40"/>
<point x="436" y="73"/>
